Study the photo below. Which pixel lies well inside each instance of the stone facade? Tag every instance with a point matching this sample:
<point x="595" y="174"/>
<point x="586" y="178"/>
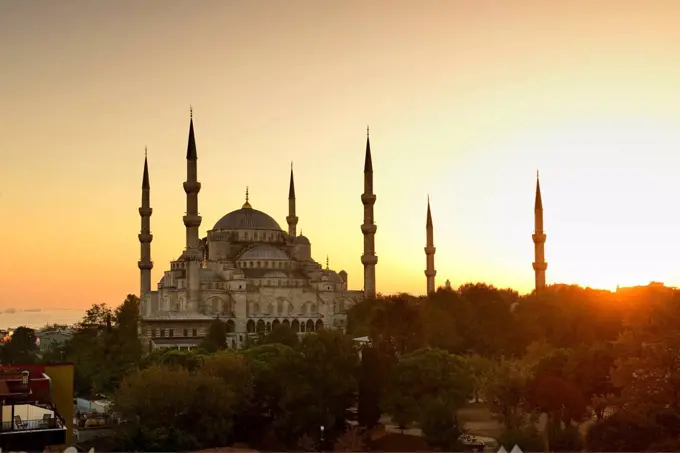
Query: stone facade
<point x="247" y="271"/>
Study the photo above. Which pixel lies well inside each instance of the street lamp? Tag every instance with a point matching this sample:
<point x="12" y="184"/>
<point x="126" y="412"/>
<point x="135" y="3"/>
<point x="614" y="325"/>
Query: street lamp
<point x="321" y="444"/>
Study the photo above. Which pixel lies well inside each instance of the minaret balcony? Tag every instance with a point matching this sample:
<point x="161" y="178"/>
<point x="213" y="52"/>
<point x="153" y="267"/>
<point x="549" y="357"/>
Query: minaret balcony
<point x="368" y="199"/>
<point x="540" y="266"/>
<point x="145" y="238"/>
<point x="292" y="220"/>
<point x="145" y="265"/>
<point x="538" y="238"/>
<point x="192" y="187"/>
<point x="145" y="211"/>
<point x="429" y="250"/>
<point x="430" y="273"/>
<point x="369" y="228"/>
<point x="192" y="220"/>
<point x="369" y="260"/>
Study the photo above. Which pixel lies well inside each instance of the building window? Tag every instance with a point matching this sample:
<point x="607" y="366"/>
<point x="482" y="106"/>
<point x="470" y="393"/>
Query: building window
<point x="162" y="332"/>
<point x="153" y="332"/>
<point x="186" y="332"/>
<point x="171" y="333"/>
<point x="194" y="333"/>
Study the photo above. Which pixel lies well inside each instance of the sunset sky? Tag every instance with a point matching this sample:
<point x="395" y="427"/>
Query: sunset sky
<point x="465" y="101"/>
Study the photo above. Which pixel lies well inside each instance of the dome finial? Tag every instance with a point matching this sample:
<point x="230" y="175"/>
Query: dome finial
<point x="247" y="204"/>
<point x="327" y="262"/>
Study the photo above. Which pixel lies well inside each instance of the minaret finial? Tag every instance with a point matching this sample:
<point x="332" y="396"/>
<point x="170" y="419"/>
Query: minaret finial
<point x="327" y="266"/>
<point x="368" y="132"/>
<point x="537" y="176"/>
<point x="291" y="165"/>
<point x="144" y="151"/>
<point x="247" y="203"/>
<point x="191" y="112"/>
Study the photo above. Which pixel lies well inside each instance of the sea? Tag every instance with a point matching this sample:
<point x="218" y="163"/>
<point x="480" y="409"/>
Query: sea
<point x="37" y="318"/>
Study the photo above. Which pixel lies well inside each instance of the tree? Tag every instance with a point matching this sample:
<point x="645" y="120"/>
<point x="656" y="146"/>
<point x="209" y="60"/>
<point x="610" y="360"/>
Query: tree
<point x="424" y="375"/>
<point x="492" y="320"/>
<point x="350" y="441"/>
<point x="506" y="392"/>
<point x="216" y="339"/>
<point x="440" y="425"/>
<point x="622" y="431"/>
<point x="104" y="347"/>
<point x="441" y="312"/>
<point x="170" y="409"/>
<point x="373" y="372"/>
<point x="481" y="370"/>
<point x="398" y="325"/>
<point x="589" y="369"/>
<point x="173" y="358"/>
<point x="319" y="386"/>
<point x="21" y="347"/>
<point x="268" y="364"/>
<point x="282" y="334"/>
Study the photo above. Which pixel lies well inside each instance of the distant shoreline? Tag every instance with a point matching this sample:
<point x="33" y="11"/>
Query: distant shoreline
<point x="38" y="318"/>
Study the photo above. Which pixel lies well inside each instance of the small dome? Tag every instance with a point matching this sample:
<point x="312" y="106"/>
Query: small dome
<point x="302" y="240"/>
<point x="264" y="252"/>
<point x="247" y="219"/>
<point x="331" y="276"/>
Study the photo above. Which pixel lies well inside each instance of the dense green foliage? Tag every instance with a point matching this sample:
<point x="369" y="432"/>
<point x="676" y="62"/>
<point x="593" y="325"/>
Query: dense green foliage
<point x="543" y="365"/>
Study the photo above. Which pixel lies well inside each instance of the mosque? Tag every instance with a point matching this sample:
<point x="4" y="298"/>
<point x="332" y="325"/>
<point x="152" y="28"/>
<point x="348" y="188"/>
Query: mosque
<point x="246" y="271"/>
<point x="253" y="275"/>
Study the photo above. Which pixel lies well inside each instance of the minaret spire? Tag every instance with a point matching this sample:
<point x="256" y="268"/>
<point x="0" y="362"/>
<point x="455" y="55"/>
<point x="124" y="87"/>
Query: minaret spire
<point x="192" y="221"/>
<point x="292" y="218"/>
<point x="145" y="237"/>
<point x="539" y="237"/>
<point x="368" y="228"/>
<point x="430" y="271"/>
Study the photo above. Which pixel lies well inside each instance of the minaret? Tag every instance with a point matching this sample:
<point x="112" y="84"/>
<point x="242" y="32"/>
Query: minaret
<point x="192" y="254"/>
<point x="192" y="220"/>
<point x="292" y="218"/>
<point x="145" y="237"/>
<point x="430" y="271"/>
<point x="368" y="228"/>
<point x="539" y="240"/>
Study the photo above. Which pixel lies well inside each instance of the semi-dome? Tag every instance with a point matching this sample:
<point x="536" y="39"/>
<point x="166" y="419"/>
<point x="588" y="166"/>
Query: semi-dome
<point x="302" y="240"/>
<point x="263" y="252"/>
<point x="247" y="219"/>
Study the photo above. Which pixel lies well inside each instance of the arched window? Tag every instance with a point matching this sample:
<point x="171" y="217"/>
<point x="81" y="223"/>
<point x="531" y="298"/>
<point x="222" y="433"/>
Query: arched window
<point x="250" y="326"/>
<point x="231" y="327"/>
<point x="310" y="326"/>
<point x="275" y="323"/>
<point x="295" y="325"/>
<point x="286" y="323"/>
<point x="260" y="326"/>
<point x="319" y="325"/>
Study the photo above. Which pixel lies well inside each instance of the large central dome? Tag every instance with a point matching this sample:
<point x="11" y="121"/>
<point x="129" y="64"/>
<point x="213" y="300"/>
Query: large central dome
<point x="247" y="218"/>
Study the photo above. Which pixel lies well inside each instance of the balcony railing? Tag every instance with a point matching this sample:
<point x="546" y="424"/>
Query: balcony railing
<point x="31" y="425"/>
